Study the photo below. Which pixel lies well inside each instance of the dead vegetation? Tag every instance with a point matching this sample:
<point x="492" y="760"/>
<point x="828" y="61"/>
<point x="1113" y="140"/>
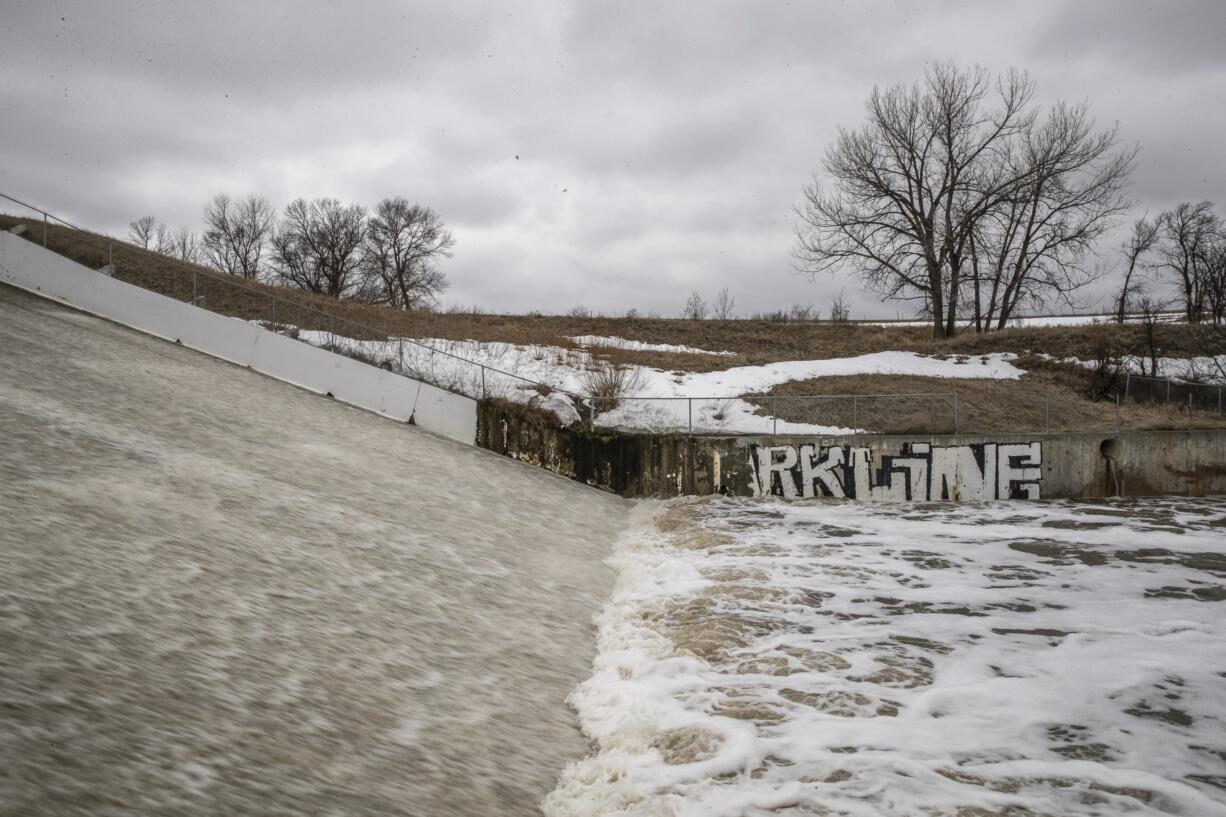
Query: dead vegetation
<point x="983" y="405"/>
<point x="1050" y="397"/>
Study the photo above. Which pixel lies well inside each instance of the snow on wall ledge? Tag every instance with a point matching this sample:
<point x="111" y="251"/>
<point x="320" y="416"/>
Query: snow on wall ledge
<point x="30" y="267"/>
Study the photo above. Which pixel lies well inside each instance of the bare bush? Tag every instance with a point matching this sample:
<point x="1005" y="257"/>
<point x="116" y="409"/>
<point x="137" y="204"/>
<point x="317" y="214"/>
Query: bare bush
<point x="722" y="306"/>
<point x="840" y="310"/>
<point x="695" y="307"/>
<point x="608" y="383"/>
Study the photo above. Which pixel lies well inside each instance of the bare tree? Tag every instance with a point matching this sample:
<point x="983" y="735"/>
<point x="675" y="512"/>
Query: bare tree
<point x="1070" y="184"/>
<point x="1150" y="316"/>
<point x="721" y="308"/>
<point x="695" y="307"/>
<point x="1142" y="239"/>
<point x="840" y="310"/>
<point x="236" y="233"/>
<point x="142" y="230"/>
<point x="317" y="248"/>
<point x="403" y="244"/>
<point x="953" y="178"/>
<point x="1214" y="286"/>
<point x="1189" y="235"/>
<point x="182" y="244"/>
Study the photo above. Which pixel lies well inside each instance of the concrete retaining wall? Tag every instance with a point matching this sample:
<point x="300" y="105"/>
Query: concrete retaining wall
<point x="911" y="467"/>
<point x="31" y="267"/>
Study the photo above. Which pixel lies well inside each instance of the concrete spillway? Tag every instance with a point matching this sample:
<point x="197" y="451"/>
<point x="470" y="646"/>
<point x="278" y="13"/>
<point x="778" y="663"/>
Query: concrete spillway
<point x="224" y="595"/>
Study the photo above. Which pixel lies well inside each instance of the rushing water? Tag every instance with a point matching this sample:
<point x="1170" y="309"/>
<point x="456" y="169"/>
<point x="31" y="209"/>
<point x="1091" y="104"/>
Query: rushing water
<point x="222" y="595"/>
<point x="1056" y="658"/>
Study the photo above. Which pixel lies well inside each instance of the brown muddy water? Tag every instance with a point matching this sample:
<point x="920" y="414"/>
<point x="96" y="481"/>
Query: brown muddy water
<point x="222" y="595"/>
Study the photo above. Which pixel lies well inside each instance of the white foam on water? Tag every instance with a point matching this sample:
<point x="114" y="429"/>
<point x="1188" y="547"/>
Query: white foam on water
<point x="759" y="656"/>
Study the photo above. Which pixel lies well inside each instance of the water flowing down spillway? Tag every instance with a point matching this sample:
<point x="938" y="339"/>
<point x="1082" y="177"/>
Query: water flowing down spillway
<point x="222" y="595"/>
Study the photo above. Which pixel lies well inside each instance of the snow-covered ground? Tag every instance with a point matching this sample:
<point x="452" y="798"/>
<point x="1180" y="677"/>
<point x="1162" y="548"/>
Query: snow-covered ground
<point x="658" y="401"/>
<point x="610" y="342"/>
<point x="1052" y="658"/>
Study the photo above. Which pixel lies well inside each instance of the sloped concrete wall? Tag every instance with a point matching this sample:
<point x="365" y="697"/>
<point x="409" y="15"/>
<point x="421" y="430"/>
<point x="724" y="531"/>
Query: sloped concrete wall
<point x="31" y="267"/>
<point x="871" y="468"/>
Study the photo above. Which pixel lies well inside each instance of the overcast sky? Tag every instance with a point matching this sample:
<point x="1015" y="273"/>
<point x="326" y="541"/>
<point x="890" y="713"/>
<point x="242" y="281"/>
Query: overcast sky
<point x="611" y="154"/>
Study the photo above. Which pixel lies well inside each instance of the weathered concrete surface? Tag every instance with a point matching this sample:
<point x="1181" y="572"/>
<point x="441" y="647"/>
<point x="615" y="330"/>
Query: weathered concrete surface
<point x="224" y="595"/>
<point x="1085" y="465"/>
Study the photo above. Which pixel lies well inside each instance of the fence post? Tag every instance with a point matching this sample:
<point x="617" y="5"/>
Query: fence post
<point x="955" y="412"/>
<point x="1168" y="392"/>
<point x="774" y="416"/>
<point x="689" y="422"/>
<point x="1117" y="414"/>
<point x="1127" y="383"/>
<point x="482" y="369"/>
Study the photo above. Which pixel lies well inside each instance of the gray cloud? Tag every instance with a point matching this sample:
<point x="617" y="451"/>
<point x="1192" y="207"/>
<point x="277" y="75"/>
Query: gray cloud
<point x="660" y="147"/>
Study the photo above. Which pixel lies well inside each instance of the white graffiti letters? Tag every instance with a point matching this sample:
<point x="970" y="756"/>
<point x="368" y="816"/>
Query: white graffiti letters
<point x="921" y="471"/>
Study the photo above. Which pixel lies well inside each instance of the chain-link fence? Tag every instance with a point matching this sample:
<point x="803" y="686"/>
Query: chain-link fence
<point x="1194" y="397"/>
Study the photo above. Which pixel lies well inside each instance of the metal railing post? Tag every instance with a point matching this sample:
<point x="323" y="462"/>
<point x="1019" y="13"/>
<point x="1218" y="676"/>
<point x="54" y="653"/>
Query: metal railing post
<point x="482" y="370"/>
<point x="774" y="416"/>
<point x="1127" y="383"/>
<point x="689" y="426"/>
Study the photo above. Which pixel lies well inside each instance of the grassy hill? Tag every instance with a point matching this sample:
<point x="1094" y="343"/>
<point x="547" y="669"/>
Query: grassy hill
<point x="997" y="405"/>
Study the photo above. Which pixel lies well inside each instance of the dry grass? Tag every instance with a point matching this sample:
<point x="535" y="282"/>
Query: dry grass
<point x="983" y="405"/>
<point x="753" y="342"/>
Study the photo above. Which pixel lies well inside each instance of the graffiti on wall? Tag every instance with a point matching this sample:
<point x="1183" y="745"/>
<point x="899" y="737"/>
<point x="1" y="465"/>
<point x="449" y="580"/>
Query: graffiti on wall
<point x="920" y="471"/>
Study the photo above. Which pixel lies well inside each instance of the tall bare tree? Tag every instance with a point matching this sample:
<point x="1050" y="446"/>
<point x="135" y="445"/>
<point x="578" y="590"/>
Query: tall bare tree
<point x="1189" y="233"/>
<point x="953" y="185"/>
<point x="1070" y="184"/>
<point x="183" y="244"/>
<point x="721" y="307"/>
<point x="317" y="248"/>
<point x="236" y="234"/>
<point x="1140" y="241"/>
<point x="142" y="230"/>
<point x="403" y="244"/>
<point x="1215" y="281"/>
